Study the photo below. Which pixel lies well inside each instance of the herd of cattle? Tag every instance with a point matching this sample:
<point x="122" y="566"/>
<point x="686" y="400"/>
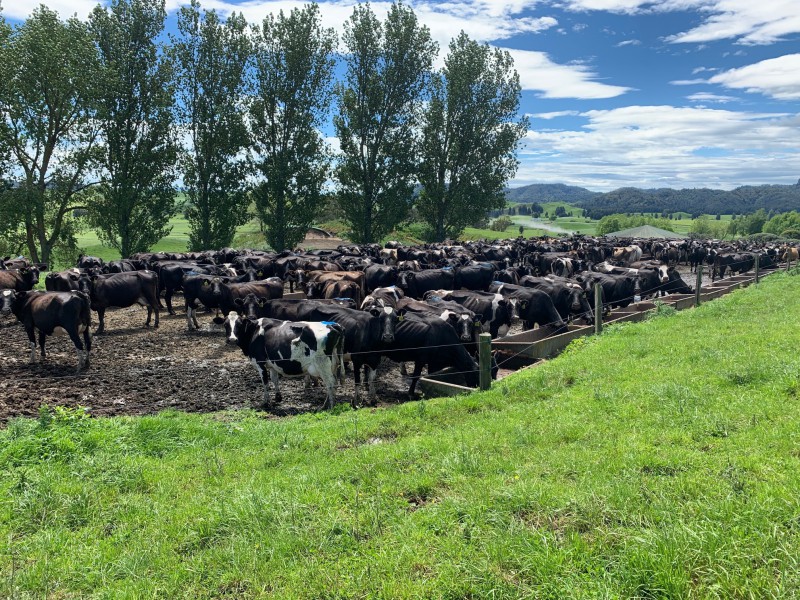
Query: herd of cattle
<point x="424" y="305"/>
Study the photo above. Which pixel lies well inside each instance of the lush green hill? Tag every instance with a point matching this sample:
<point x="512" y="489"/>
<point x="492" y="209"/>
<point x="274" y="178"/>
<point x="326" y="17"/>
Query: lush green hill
<point x="661" y="459"/>
<point x="548" y="192"/>
<point x="695" y="201"/>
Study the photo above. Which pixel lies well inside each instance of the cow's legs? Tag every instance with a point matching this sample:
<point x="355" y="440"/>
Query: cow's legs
<point x="101" y="317"/>
<point x="168" y="299"/>
<point x="414" y="378"/>
<point x="82" y="357"/>
<point x="149" y="316"/>
<point x="329" y="379"/>
<point x="371" y="375"/>
<point x="276" y="382"/>
<point x="41" y="344"/>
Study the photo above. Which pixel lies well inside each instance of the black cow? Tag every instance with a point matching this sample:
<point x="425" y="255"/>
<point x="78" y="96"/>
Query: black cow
<point x="19" y="280"/>
<point x="494" y="311"/>
<point x="90" y="262"/>
<point x="226" y="294"/>
<point x="46" y="312"/>
<point x="568" y="297"/>
<point x="462" y="320"/>
<point x="416" y="284"/>
<point x="618" y="291"/>
<point x="63" y="281"/>
<point x="290" y="349"/>
<point x="533" y="306"/>
<point x="377" y="276"/>
<point x="475" y="277"/>
<point x="125" y="265"/>
<point x="426" y="340"/>
<point x="122" y="290"/>
<point x="366" y="332"/>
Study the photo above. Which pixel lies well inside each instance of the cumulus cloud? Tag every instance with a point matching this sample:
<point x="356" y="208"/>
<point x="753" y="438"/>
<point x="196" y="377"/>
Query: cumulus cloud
<point x="537" y="72"/>
<point x="711" y="98"/>
<point x="655" y="146"/>
<point x="555" y="114"/>
<point x="776" y="77"/>
<point x="746" y="21"/>
<point x="629" y="43"/>
<point x="21" y="9"/>
<point x="482" y="20"/>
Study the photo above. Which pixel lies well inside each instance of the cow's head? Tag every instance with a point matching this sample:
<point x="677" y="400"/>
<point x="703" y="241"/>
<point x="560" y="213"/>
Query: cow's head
<point x="249" y="306"/>
<point x="406" y="279"/>
<point x="239" y="330"/>
<point x="7" y="298"/>
<point x="30" y="275"/>
<point x="388" y="318"/>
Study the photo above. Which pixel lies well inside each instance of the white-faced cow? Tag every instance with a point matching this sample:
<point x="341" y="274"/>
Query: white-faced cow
<point x="290" y="349"/>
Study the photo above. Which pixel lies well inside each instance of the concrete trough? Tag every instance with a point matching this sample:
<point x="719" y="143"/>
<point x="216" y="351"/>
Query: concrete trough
<point x="679" y="301"/>
<point x="539" y="343"/>
<point x="444" y="383"/>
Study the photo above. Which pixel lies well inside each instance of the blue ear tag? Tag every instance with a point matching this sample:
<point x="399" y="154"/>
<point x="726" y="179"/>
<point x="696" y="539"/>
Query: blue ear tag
<point x="329" y="323"/>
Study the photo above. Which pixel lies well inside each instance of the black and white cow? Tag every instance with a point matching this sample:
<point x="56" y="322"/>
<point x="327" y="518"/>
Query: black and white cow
<point x="461" y="319"/>
<point x="426" y="340"/>
<point x="415" y="285"/>
<point x="290" y="349"/>
<point x="51" y="313"/>
<point x="366" y="332"/>
<point x="533" y="306"/>
<point x="494" y="311"/>
<point x="568" y="296"/>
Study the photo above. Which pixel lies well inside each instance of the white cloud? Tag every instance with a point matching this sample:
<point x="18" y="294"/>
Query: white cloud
<point x="776" y="77"/>
<point x="555" y="114"/>
<point x="747" y="21"/>
<point x="21" y="9"/>
<point x="629" y="43"/>
<point x="665" y="146"/>
<point x="482" y="20"/>
<point x="704" y="70"/>
<point x="688" y="81"/>
<point x="713" y="98"/>
<point x="538" y="72"/>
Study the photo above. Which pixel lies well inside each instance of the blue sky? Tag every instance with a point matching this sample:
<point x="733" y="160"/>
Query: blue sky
<point x="672" y="93"/>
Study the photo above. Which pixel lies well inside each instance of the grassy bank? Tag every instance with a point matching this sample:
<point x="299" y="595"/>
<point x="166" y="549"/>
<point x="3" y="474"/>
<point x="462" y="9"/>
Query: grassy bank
<point x="661" y="459"/>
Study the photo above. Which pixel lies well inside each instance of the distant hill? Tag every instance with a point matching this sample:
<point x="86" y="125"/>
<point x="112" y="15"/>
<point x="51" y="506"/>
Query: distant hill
<point x="696" y="201"/>
<point x="549" y="192"/>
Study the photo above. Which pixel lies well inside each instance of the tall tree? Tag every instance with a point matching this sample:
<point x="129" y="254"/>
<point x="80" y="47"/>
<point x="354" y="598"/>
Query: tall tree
<point x="136" y="199"/>
<point x="388" y="68"/>
<point x="211" y="58"/>
<point x="469" y="138"/>
<point x="294" y="69"/>
<point x="48" y="78"/>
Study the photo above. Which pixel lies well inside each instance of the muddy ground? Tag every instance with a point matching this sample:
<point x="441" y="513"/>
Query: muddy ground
<point x="137" y="371"/>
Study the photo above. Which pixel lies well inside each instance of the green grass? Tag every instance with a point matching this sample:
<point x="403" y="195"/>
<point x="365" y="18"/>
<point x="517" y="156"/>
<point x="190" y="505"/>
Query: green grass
<point x="176" y="241"/>
<point x="661" y="459"/>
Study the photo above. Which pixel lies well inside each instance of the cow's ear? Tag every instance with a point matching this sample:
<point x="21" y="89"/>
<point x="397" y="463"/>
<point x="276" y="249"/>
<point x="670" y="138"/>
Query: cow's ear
<point x="523" y="305"/>
<point x="238" y="302"/>
<point x="206" y="282"/>
<point x="262" y="302"/>
<point x="93" y="277"/>
<point x="260" y="274"/>
<point x="23" y="271"/>
<point x="375" y="311"/>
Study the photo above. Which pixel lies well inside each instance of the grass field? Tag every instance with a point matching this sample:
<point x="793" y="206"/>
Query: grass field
<point x="661" y="459"/>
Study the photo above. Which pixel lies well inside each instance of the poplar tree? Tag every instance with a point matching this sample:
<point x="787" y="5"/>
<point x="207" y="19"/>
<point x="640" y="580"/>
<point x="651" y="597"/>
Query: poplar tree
<point x="469" y="137"/>
<point x="211" y="58"/>
<point x="133" y="205"/>
<point x="388" y="69"/>
<point x="48" y="82"/>
<point x="293" y="73"/>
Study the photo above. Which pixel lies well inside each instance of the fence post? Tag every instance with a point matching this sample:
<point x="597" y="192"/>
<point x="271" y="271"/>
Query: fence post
<point x="598" y="308"/>
<point x="758" y="255"/>
<point x="698" y="284"/>
<point x="485" y="360"/>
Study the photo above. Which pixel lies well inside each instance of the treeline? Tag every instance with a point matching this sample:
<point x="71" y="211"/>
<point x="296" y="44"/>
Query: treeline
<point x="103" y="117"/>
<point x="695" y="201"/>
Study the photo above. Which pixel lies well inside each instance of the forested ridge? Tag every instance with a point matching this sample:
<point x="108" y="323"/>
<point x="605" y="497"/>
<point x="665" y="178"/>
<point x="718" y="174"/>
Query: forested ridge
<point x="696" y="201"/>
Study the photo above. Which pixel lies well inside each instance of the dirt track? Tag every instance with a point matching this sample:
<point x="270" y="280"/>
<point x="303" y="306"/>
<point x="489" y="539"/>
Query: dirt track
<point x="137" y="371"/>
